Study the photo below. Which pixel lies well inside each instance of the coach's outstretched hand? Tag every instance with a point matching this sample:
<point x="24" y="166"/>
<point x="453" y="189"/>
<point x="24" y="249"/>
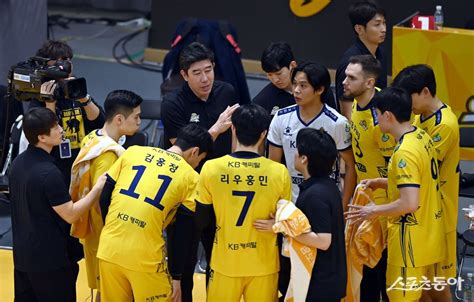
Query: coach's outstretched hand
<point x="224" y="121"/>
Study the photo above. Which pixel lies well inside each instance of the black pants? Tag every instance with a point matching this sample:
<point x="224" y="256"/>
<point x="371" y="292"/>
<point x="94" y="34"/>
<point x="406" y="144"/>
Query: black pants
<point x="285" y="270"/>
<point x="207" y="239"/>
<point x="373" y="282"/>
<point x="57" y="285"/>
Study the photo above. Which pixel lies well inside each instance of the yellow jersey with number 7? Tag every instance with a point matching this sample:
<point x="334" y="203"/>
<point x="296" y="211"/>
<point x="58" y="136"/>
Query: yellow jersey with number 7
<point x="243" y="187"/>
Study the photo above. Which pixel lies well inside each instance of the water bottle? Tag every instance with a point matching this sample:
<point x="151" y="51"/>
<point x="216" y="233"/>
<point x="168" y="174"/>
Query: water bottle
<point x="438" y="16"/>
<point x="468" y="288"/>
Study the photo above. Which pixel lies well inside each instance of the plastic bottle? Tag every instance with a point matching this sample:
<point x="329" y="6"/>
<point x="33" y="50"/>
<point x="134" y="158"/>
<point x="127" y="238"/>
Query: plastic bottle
<point x="439" y="18"/>
<point x="468" y="288"/>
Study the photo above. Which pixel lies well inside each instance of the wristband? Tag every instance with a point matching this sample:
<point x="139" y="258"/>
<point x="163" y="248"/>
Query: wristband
<point x="89" y="100"/>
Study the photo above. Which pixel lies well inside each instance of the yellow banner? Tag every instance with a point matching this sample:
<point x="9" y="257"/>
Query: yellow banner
<point x="450" y="52"/>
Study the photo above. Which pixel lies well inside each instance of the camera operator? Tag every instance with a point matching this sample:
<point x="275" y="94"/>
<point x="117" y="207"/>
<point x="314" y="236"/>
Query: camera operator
<point x="76" y="117"/>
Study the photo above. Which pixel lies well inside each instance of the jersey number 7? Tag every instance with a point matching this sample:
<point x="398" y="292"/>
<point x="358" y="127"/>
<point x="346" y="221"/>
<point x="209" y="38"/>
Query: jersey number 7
<point x="249" y="195"/>
<point x="156" y="202"/>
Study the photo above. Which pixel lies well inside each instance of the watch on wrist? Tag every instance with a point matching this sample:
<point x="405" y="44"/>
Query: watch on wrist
<point x="89" y="100"/>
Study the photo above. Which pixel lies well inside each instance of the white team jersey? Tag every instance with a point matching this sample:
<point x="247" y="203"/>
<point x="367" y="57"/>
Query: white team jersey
<point x="285" y="126"/>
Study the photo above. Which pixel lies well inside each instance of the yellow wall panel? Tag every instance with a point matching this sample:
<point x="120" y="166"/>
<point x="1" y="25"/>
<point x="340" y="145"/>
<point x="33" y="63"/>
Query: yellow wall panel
<point x="450" y="52"/>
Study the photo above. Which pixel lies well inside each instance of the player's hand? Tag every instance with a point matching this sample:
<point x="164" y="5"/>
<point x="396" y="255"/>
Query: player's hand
<point x="99" y="185"/>
<point x="360" y="213"/>
<point x="265" y="225"/>
<point x="176" y="296"/>
<point x="224" y="121"/>
<point x="47" y="91"/>
<point x="374" y="183"/>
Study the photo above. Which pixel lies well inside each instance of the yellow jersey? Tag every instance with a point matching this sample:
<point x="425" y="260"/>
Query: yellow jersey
<point x="150" y="184"/>
<point x="371" y="147"/>
<point x="416" y="239"/>
<point x="243" y="187"/>
<point x="443" y="128"/>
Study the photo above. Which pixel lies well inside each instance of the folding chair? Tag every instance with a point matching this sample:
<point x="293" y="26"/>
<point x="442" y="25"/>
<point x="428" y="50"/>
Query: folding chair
<point x="151" y="110"/>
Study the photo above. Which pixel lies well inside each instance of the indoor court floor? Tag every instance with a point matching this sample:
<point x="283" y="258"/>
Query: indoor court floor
<point x="83" y="291"/>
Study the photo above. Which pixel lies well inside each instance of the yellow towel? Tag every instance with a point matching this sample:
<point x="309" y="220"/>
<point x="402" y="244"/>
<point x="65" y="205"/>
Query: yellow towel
<point x="291" y="221"/>
<point x="364" y="245"/>
<point x="81" y="180"/>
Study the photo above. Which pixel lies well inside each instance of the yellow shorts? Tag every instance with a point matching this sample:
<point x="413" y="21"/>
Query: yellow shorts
<point x="91" y="245"/>
<point x="408" y="283"/>
<point x="447" y="267"/>
<point x="230" y="289"/>
<point x="121" y="284"/>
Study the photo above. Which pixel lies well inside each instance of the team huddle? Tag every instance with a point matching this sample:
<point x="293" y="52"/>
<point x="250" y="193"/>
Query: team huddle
<point x="269" y="188"/>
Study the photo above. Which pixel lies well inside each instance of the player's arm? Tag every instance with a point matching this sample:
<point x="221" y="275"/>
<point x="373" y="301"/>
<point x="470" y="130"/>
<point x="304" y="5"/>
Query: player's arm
<point x="319" y="216"/>
<point x="92" y="110"/>
<point x="275" y="153"/>
<point x="409" y="189"/>
<point x="180" y="243"/>
<point x="106" y="196"/>
<point x="183" y="230"/>
<point x="204" y="213"/>
<point x="321" y="241"/>
<point x="407" y="203"/>
<point x="375" y="183"/>
<point x="350" y="178"/>
<point x="71" y="211"/>
<point x="275" y="143"/>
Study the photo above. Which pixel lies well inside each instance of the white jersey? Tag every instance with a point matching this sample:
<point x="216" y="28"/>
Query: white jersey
<point x="285" y="126"/>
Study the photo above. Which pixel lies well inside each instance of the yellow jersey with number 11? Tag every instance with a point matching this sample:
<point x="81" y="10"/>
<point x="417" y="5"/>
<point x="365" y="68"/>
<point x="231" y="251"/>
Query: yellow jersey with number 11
<point x="150" y="184"/>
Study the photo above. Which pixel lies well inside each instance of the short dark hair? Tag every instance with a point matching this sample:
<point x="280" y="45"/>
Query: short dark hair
<point x="250" y="121"/>
<point x="193" y="135"/>
<point x="416" y="77"/>
<point x="276" y="56"/>
<point x="193" y="53"/>
<point x="55" y="50"/>
<point x="121" y="101"/>
<point x="38" y="121"/>
<point x="318" y="76"/>
<point x="370" y="65"/>
<point x="319" y="148"/>
<point x="395" y="100"/>
<point x="361" y="12"/>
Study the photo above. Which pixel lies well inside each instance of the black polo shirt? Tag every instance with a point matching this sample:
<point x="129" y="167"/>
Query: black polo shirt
<point x="273" y="98"/>
<point x="67" y="111"/>
<point x="40" y="236"/>
<point x="183" y="107"/>
<point x="320" y="201"/>
<point x="358" y="48"/>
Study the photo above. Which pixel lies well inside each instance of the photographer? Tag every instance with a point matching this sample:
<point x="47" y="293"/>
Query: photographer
<point x="76" y="117"/>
